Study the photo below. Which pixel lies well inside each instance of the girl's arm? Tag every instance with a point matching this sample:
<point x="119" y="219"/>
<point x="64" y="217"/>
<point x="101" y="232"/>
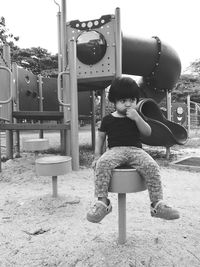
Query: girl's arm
<point x="99" y="145"/>
<point x="142" y="125"/>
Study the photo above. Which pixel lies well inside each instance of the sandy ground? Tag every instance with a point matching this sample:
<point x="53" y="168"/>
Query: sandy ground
<point x="38" y="230"/>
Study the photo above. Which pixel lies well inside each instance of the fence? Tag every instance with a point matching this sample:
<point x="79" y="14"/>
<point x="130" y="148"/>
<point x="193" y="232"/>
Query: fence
<point x="194" y="115"/>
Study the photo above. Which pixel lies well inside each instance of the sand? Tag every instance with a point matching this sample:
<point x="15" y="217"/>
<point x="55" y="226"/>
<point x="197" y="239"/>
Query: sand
<point x="38" y="230"/>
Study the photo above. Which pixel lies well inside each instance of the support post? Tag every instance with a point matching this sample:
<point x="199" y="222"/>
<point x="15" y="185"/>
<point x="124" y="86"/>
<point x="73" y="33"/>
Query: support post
<point x="16" y="134"/>
<point x="122" y="218"/>
<point x="60" y="59"/>
<point x="60" y="65"/>
<point x="188" y="115"/>
<point x="66" y="90"/>
<point x="41" y="132"/>
<point x="9" y="134"/>
<point x="54" y="186"/>
<point x="60" y="44"/>
<point x="93" y="120"/>
<point x="169" y="117"/>
<point x="0" y="140"/>
<point x="118" y="43"/>
<point x="74" y="106"/>
<point x="103" y="111"/>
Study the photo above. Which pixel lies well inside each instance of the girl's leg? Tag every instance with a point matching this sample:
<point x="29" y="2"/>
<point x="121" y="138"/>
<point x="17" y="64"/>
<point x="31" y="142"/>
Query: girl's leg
<point x="149" y="170"/>
<point x="105" y="164"/>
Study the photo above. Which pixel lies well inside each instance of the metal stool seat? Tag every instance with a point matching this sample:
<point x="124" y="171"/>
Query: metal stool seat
<point x="36" y="145"/>
<point x="53" y="166"/>
<point x="124" y="181"/>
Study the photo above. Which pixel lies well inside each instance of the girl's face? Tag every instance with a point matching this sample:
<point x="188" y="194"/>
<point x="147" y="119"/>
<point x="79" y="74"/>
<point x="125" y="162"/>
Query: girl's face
<point x="123" y="104"/>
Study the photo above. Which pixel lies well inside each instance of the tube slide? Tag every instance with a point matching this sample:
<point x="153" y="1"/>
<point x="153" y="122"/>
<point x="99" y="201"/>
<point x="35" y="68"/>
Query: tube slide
<point x="156" y="62"/>
<point x="160" y="67"/>
<point x="164" y="132"/>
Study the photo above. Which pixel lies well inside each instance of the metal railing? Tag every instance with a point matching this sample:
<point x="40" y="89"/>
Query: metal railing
<point x="10" y="85"/>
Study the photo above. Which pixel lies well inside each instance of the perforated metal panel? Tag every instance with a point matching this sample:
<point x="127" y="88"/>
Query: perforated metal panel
<point x="105" y="68"/>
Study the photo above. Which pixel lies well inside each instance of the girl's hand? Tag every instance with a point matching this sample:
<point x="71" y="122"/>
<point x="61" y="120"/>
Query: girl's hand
<point x="132" y="114"/>
<point x="142" y="125"/>
<point x="95" y="162"/>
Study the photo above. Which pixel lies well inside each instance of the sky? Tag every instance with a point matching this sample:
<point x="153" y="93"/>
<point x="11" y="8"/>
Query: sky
<point x="175" y="22"/>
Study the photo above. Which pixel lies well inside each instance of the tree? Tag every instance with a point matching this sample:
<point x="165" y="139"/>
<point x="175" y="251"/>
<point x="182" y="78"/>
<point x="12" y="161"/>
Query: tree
<point x="194" y="67"/>
<point x="5" y="36"/>
<point x="36" y="59"/>
<point x="188" y="84"/>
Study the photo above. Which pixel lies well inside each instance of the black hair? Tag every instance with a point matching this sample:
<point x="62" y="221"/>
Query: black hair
<point x="123" y="87"/>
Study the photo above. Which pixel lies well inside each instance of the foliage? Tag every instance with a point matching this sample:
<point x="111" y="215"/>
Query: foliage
<point x="86" y="155"/>
<point x="5" y="36"/>
<point x="194" y="67"/>
<point x="109" y="107"/>
<point x="188" y="84"/>
<point x="36" y="59"/>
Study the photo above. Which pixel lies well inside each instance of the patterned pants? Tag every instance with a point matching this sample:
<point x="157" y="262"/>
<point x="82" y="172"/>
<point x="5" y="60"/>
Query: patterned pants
<point x="133" y="157"/>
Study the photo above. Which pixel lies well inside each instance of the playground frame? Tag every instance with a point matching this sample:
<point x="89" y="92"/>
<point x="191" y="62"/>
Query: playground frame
<point x="157" y="63"/>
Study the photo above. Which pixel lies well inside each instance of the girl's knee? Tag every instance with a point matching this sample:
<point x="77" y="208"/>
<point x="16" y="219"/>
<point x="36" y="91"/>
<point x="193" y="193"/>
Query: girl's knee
<point x="104" y="163"/>
<point x="149" y="169"/>
<point x="101" y="163"/>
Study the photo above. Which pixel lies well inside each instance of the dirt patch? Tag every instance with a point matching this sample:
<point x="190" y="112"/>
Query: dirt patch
<point x="38" y="230"/>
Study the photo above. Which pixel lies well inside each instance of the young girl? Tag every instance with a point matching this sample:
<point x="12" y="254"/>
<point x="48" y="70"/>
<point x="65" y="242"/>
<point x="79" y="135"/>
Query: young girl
<point x="123" y="128"/>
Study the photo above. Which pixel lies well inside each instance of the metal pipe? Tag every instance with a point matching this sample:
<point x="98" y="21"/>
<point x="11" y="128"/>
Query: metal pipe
<point x="122" y="218"/>
<point x="41" y="132"/>
<point x="74" y="106"/>
<point x="59" y="93"/>
<point x="40" y="92"/>
<point x="118" y="43"/>
<point x="169" y="116"/>
<point x="66" y="91"/>
<point x="16" y="134"/>
<point x="57" y="5"/>
<point x="188" y="115"/>
<point x="10" y="85"/>
<point x="64" y="35"/>
<point x="169" y="105"/>
<point x="59" y="42"/>
<point x="93" y="119"/>
<point x="8" y="107"/>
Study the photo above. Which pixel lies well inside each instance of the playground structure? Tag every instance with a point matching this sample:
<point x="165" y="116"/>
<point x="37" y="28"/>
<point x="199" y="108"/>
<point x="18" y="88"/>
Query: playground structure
<point x="90" y="54"/>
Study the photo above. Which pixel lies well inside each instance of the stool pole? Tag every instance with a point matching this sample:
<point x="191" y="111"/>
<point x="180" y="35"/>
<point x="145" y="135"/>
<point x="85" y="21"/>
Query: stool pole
<point x="54" y="186"/>
<point x="36" y="154"/>
<point x="122" y="218"/>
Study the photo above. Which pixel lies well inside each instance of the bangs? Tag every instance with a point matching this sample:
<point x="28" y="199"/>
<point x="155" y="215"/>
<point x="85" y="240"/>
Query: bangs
<point x="123" y="88"/>
<point x="126" y="93"/>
